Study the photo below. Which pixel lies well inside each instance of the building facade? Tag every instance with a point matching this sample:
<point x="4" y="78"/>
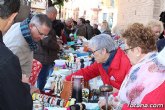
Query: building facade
<point x="142" y="11"/>
<point x="94" y="10"/>
<point x="116" y="12"/>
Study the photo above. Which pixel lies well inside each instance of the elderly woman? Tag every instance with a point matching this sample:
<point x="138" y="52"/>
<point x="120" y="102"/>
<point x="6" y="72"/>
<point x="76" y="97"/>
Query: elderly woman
<point x="111" y="62"/>
<point x="144" y="85"/>
<point x="157" y="28"/>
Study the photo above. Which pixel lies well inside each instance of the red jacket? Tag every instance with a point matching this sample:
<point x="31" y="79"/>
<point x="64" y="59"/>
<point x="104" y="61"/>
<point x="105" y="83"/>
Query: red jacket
<point x="116" y="72"/>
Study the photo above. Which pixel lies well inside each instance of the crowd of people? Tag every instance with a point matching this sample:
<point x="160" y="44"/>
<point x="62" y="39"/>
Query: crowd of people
<point x="136" y="71"/>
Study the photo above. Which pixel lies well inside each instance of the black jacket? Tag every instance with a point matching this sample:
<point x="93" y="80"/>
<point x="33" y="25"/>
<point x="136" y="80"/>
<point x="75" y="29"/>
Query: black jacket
<point x="14" y="95"/>
<point x="96" y="31"/>
<point x="89" y="30"/>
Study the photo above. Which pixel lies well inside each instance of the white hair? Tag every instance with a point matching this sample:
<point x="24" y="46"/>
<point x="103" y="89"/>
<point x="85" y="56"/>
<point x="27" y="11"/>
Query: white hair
<point x="35" y="20"/>
<point x="117" y="30"/>
<point x="156" y="23"/>
<point x="51" y="10"/>
<point x="103" y="41"/>
<point x="41" y="19"/>
<point x="69" y="20"/>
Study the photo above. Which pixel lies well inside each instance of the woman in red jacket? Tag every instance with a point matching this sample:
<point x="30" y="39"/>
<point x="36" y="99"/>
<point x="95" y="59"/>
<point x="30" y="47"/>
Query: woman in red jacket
<point x="144" y="86"/>
<point x="111" y="62"/>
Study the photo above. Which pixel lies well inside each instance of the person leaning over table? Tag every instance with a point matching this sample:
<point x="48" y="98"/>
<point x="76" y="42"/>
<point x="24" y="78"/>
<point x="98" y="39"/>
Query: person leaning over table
<point x="145" y="81"/>
<point x="22" y="40"/>
<point x="14" y="94"/>
<point x="111" y="63"/>
<point x="47" y="51"/>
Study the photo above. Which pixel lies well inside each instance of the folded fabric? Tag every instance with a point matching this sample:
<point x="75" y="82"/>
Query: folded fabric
<point x="36" y="67"/>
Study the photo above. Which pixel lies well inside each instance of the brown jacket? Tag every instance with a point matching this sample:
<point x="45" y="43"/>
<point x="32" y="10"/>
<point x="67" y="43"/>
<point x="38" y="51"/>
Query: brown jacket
<point x="82" y="31"/>
<point x="47" y="49"/>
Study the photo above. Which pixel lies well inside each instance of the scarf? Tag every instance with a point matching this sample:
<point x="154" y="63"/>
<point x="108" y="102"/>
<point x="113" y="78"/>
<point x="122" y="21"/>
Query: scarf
<point x="109" y="60"/>
<point x="27" y="35"/>
<point x="143" y="78"/>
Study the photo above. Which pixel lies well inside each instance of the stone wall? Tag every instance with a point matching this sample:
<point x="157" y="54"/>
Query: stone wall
<point x="142" y="11"/>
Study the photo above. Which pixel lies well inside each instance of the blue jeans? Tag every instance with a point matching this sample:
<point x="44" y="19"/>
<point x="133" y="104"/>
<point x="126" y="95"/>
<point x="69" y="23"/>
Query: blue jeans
<point x="42" y="77"/>
<point x="51" y="71"/>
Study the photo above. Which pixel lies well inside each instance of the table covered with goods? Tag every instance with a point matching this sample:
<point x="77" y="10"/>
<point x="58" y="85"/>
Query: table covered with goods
<point x="69" y="95"/>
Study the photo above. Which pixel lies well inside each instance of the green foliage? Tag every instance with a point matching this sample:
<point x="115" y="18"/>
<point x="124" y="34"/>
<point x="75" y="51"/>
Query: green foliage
<point x="58" y="2"/>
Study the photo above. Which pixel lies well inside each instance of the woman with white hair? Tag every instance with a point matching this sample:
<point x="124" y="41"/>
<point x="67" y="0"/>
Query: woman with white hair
<point x="157" y="28"/>
<point x="111" y="63"/>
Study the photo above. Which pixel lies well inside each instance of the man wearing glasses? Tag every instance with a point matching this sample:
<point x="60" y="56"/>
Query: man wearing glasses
<point x="48" y="49"/>
<point x="22" y="40"/>
<point x="111" y="63"/>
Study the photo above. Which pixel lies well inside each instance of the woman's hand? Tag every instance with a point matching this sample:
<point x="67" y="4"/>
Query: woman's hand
<point x="102" y="104"/>
<point x="111" y="103"/>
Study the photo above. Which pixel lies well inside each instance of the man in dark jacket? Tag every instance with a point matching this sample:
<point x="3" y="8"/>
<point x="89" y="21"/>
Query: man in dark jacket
<point x="14" y="94"/>
<point x="89" y="28"/>
<point x="95" y="29"/>
<point x="48" y="49"/>
<point x="81" y="29"/>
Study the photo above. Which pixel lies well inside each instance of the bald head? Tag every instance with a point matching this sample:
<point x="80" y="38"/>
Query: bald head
<point x="51" y="12"/>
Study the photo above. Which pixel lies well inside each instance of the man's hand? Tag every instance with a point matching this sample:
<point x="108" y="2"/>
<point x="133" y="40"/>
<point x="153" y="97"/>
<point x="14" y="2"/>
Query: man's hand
<point x="25" y="78"/>
<point x="34" y="90"/>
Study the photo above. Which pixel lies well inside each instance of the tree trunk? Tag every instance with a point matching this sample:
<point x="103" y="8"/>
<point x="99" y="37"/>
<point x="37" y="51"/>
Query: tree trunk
<point x="59" y="11"/>
<point x="24" y="11"/>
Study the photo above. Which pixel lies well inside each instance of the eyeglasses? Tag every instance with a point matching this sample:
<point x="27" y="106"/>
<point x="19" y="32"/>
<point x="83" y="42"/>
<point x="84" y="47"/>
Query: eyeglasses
<point x="100" y="49"/>
<point x="126" y="50"/>
<point x="40" y="33"/>
<point x="94" y="51"/>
